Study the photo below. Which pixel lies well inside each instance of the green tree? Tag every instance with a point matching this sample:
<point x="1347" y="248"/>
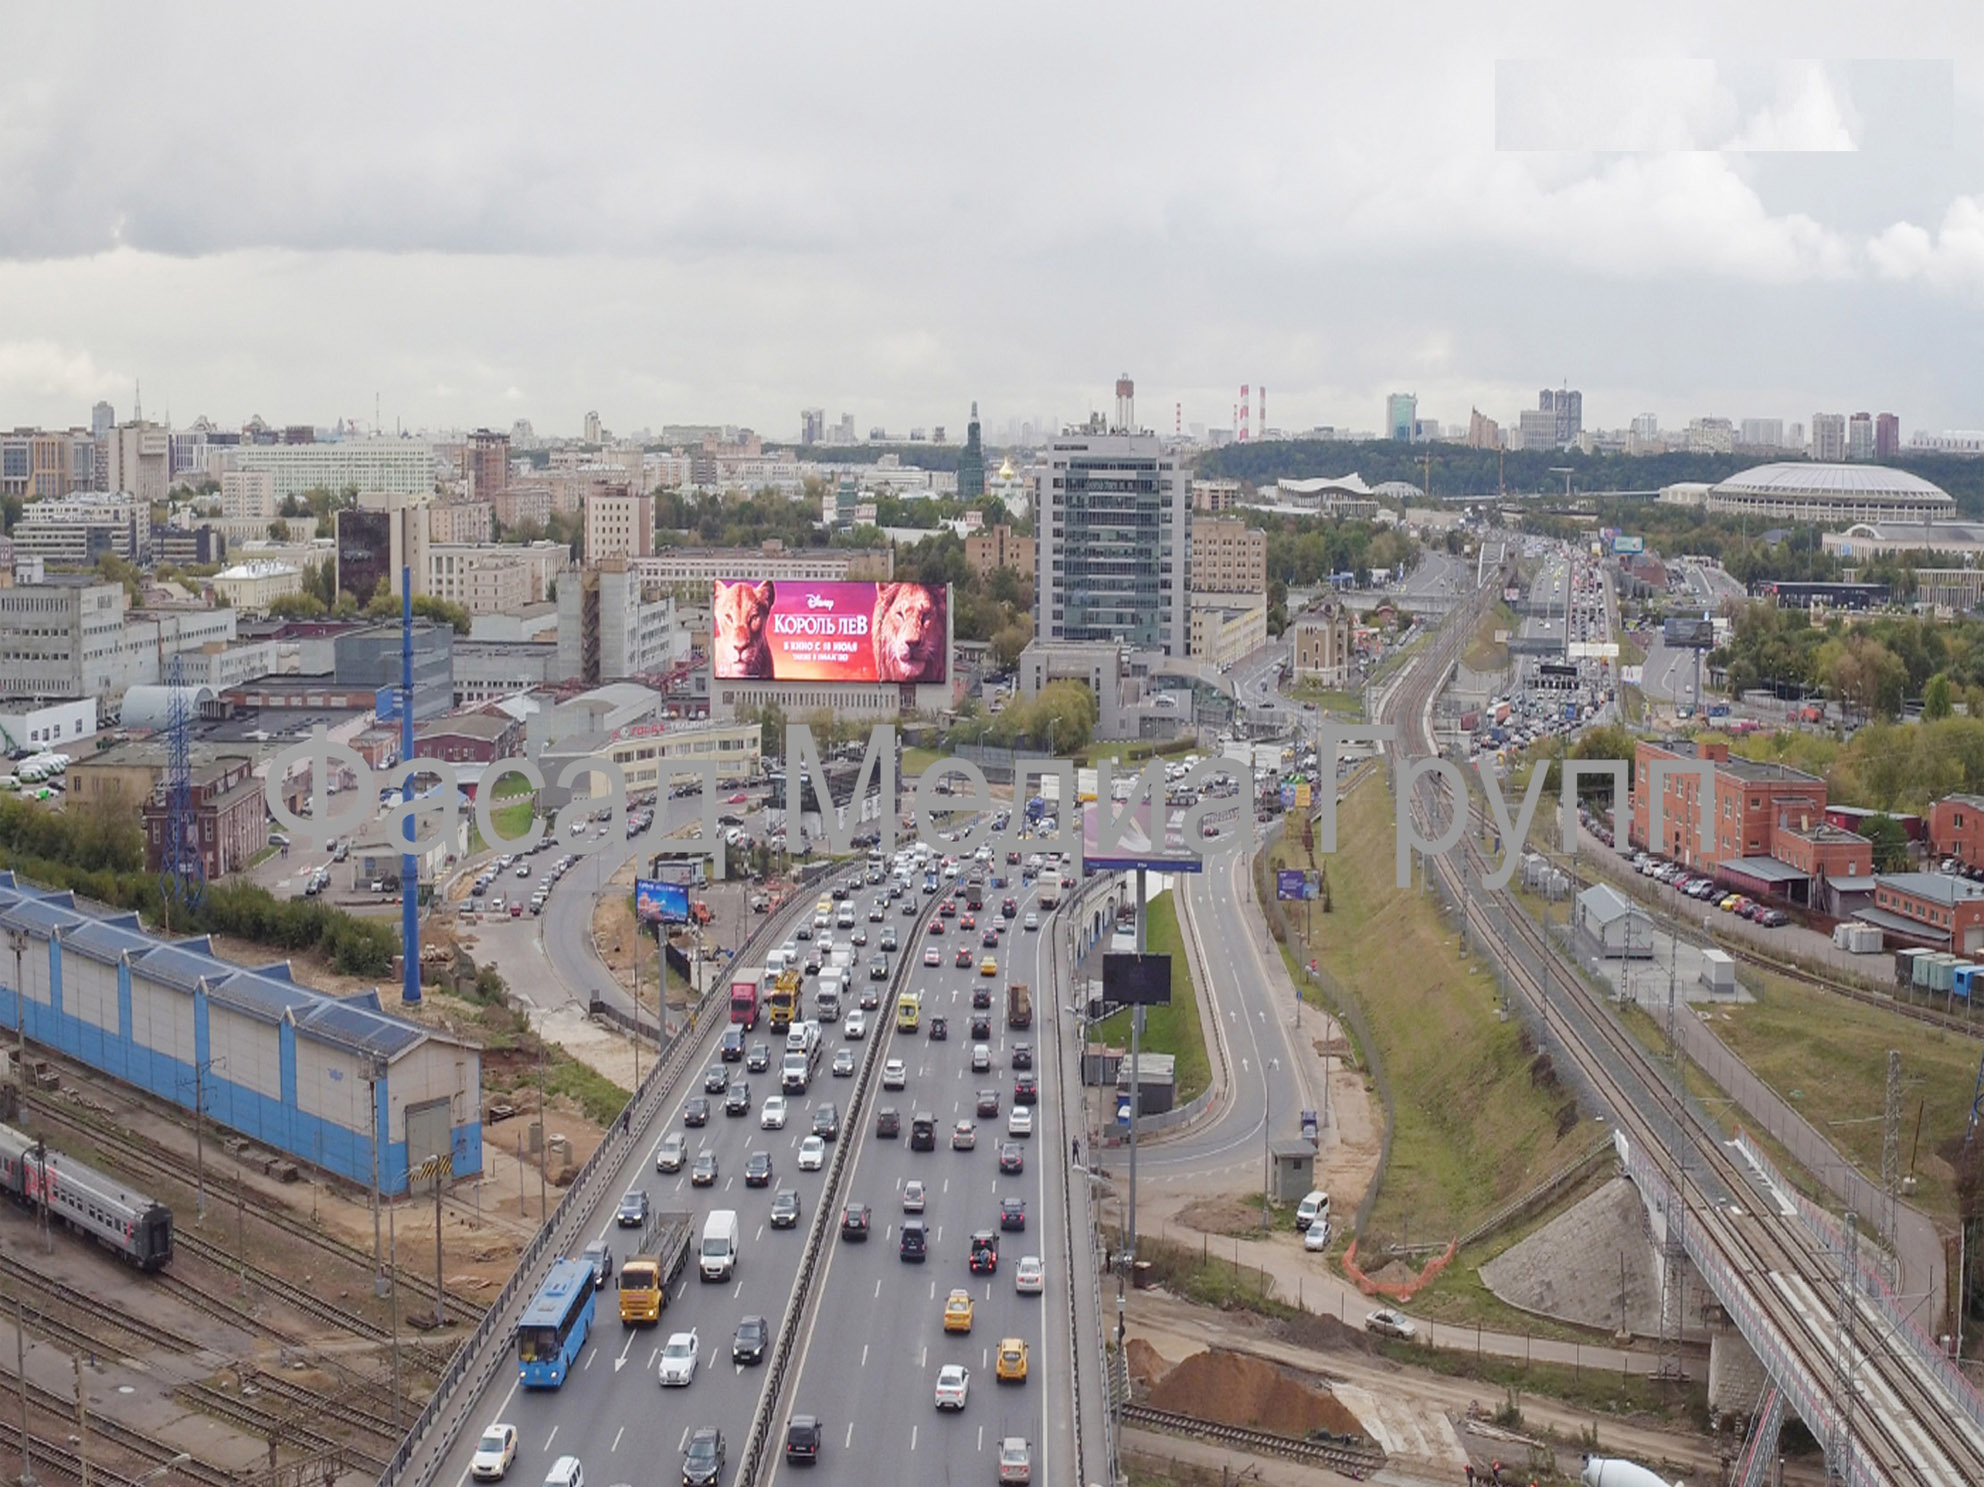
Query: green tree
<point x="1890" y="843"/>
<point x="1936" y="699"/>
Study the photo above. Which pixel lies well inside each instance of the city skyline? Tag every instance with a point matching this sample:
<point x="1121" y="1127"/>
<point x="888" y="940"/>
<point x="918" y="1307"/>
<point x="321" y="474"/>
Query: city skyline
<point x="1760" y="240"/>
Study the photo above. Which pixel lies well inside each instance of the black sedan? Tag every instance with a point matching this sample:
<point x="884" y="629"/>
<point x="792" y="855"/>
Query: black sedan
<point x="703" y="1173"/>
<point x="785" y="1209"/>
<point x="826" y="1120"/>
<point x="738" y="1100"/>
<point x="696" y="1112"/>
<point x="854" y="1222"/>
<point x="1025" y="1090"/>
<point x="633" y="1210"/>
<point x="888" y="1123"/>
<point x="748" y="1346"/>
<point x="1012" y="1214"/>
<point x="1012" y="1159"/>
<point x="759" y="1058"/>
<point x="702" y="1461"/>
<point x="988" y="1104"/>
<point x="758" y="1170"/>
<point x="717" y="1080"/>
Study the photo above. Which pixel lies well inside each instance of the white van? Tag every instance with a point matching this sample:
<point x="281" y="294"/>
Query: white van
<point x="566" y="1472"/>
<point x="719" y="1251"/>
<point x="1314" y="1209"/>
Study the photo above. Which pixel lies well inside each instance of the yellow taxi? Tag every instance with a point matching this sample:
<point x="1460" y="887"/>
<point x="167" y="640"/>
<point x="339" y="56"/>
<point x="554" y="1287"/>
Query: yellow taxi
<point x="988" y="967"/>
<point x="1012" y="1361"/>
<point x="957" y="1312"/>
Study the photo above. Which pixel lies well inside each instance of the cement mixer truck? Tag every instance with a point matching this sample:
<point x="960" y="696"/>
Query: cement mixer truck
<point x="1610" y="1471"/>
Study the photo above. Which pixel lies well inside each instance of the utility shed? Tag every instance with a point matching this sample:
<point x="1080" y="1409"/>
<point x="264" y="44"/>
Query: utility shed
<point x="1613" y="926"/>
<point x="1294" y="1169"/>
<point x="1719" y="972"/>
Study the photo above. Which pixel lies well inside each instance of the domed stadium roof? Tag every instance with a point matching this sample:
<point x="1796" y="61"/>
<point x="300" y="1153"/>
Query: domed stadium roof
<point x="1397" y="490"/>
<point x="1795" y="478"/>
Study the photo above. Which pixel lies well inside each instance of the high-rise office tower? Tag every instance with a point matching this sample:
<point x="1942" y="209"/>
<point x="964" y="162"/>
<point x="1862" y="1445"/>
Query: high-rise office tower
<point x="812" y="425"/>
<point x="1112" y="550"/>
<point x="971" y="463"/>
<point x="1887" y="436"/>
<point x="1566" y="406"/>
<point x="103" y="418"/>
<point x="1401" y="413"/>
<point x="1860" y="436"/>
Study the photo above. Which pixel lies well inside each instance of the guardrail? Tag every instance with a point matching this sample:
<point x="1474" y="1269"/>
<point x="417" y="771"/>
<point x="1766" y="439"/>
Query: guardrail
<point x="435" y="1430"/>
<point x="751" y="1464"/>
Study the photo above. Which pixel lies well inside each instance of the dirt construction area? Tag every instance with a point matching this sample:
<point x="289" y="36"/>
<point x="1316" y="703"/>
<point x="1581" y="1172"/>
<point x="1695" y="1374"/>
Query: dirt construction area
<point x="1234" y="1389"/>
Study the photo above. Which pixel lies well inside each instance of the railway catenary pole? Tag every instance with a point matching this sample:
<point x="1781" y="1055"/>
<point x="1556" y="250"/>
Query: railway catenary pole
<point x="21" y="1377"/>
<point x="378" y="1244"/>
<point x="82" y="1421"/>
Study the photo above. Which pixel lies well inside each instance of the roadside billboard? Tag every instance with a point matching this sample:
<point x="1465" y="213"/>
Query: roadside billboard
<point x="656" y="902"/>
<point x="1688" y="634"/>
<point x="803" y="631"/>
<point x="1625" y="547"/>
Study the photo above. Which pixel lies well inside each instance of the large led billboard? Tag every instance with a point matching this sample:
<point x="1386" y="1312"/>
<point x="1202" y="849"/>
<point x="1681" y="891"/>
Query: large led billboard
<point x="801" y="631"/>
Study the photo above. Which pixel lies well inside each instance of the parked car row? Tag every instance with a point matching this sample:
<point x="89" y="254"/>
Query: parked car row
<point x="1706" y="889"/>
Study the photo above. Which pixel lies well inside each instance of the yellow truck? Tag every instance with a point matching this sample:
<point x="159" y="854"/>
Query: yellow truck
<point x="782" y="1001"/>
<point x="646" y="1277"/>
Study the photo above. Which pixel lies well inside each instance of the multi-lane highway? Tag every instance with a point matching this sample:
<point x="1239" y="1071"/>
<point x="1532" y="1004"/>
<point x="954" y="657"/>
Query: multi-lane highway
<point x="868" y="1360"/>
<point x="867" y="1356"/>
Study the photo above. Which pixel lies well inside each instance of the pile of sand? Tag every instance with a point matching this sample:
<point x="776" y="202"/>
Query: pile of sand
<point x="1233" y="1389"/>
<point x="1147" y="1365"/>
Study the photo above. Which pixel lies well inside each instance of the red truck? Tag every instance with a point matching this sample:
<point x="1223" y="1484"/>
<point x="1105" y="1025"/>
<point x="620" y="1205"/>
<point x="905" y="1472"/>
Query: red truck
<point x="744" y="996"/>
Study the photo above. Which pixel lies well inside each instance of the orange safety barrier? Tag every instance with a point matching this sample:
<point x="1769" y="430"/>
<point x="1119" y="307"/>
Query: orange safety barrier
<point x="1397" y="1290"/>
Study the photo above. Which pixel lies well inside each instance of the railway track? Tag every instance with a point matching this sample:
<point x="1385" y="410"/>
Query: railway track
<point x="142" y="1155"/>
<point x="1905" y="1428"/>
<point x="1352" y="1460"/>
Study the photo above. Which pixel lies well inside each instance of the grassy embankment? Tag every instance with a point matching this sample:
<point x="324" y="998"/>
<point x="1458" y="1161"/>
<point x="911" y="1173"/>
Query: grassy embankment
<point x="1174" y="1029"/>
<point x="1484" y="652"/>
<point x="1476" y="1118"/>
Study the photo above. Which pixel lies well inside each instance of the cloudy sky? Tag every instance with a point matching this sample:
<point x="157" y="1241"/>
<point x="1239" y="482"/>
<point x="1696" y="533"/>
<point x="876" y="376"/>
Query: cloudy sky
<point x="684" y="213"/>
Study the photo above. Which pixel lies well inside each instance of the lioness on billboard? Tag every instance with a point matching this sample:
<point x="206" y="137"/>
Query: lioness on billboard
<point x="802" y="631"/>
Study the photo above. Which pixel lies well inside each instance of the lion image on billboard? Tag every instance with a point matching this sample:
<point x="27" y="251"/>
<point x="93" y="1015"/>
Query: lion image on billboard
<point x="739" y="616"/>
<point x="909" y="632"/>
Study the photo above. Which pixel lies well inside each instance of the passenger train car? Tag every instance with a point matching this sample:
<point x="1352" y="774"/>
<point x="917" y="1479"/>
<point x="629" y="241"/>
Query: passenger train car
<point x="136" y="1228"/>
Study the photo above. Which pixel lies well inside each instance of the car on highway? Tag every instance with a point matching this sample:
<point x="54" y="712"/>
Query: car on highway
<point x="895" y="1074"/>
<point x="888" y="1123"/>
<point x="964" y="1136"/>
<point x="1012" y="1158"/>
<point x="703" y="1173"/>
<point x="988" y="966"/>
<point x="953" y="1386"/>
<point x="759" y="1058"/>
<point x="1029" y="1276"/>
<point x="672" y="1153"/>
<point x="1032" y="921"/>
<point x="855" y="1222"/>
<point x="785" y="1208"/>
<point x="1387" y="1323"/>
<point x="1015" y="1460"/>
<point x="633" y="1210"/>
<point x="988" y="1104"/>
<point x="962" y="960"/>
<point x="981" y="1028"/>
<point x="1012" y="1214"/>
<point x="716" y="1080"/>
<point x="1020" y="1123"/>
<point x="803" y="1435"/>
<point x="915" y="1242"/>
<point x="888" y="940"/>
<point x="933" y="957"/>
<point x="981" y="997"/>
<point x="855" y="1028"/>
<point x="1022" y="1055"/>
<point x="936" y="927"/>
<point x="940" y="1030"/>
<point x="737" y="1101"/>
<point x="747" y="1344"/>
<point x="958" y="1311"/>
<point x="984" y="1252"/>
<point x="1025" y="1090"/>
<point x="812" y="1154"/>
<point x="826" y="1120"/>
<point x="758" y="1170"/>
<point x="695" y="1111"/>
<point x="495" y="1453"/>
<point x="600" y="1258"/>
<point x="1009" y="908"/>
<point x="679" y="1356"/>
<point x="913" y="1195"/>
<point x="1012" y="1360"/>
<point x="909" y="908"/>
<point x="772" y="1115"/>
<point x="843" y="1064"/>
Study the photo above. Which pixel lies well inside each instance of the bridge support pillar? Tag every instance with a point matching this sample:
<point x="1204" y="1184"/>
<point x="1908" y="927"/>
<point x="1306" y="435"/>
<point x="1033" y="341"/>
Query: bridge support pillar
<point x="1736" y="1376"/>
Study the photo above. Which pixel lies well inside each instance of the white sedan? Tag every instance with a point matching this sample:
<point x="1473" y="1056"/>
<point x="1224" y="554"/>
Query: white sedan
<point x="895" y="1074"/>
<point x="678" y="1360"/>
<point x="1029" y="1276"/>
<point x="1316" y="1237"/>
<point x="1020" y="1122"/>
<point x="772" y="1116"/>
<point x="495" y="1453"/>
<point x="953" y="1384"/>
<point x="812" y="1154"/>
<point x="1388" y="1323"/>
<point x="856" y="1025"/>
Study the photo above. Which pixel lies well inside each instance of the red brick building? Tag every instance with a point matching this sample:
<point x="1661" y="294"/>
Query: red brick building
<point x="1956" y="828"/>
<point x="473" y="738"/>
<point x="1933" y="909"/>
<point x="230" y="817"/>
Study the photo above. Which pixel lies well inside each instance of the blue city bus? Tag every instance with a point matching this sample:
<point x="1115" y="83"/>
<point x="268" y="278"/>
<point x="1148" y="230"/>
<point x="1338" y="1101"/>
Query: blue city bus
<point x="555" y="1325"/>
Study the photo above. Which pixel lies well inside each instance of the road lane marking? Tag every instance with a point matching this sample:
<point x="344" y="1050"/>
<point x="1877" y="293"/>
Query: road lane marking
<point x="621" y="1362"/>
<point x="912" y="1437"/>
<point x="551" y="1437"/>
<point x="616" y="1438"/>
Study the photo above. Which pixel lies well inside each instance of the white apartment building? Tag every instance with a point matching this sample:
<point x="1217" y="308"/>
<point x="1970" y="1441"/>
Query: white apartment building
<point x="254" y="586"/>
<point x="404" y="466"/>
<point x="493" y="578"/>
<point x="1828" y="437"/>
<point x="77" y="530"/>
<point x="139" y="457"/>
<point x="461" y="521"/>
<point x="220" y="666"/>
<point x="613" y="625"/>
<point x="1112" y="543"/>
<point x="248" y="495"/>
<point x="62" y="640"/>
<point x="619" y="524"/>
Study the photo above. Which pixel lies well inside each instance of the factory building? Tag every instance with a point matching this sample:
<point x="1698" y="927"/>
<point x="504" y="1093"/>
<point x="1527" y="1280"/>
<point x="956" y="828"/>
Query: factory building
<point x="307" y="1074"/>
